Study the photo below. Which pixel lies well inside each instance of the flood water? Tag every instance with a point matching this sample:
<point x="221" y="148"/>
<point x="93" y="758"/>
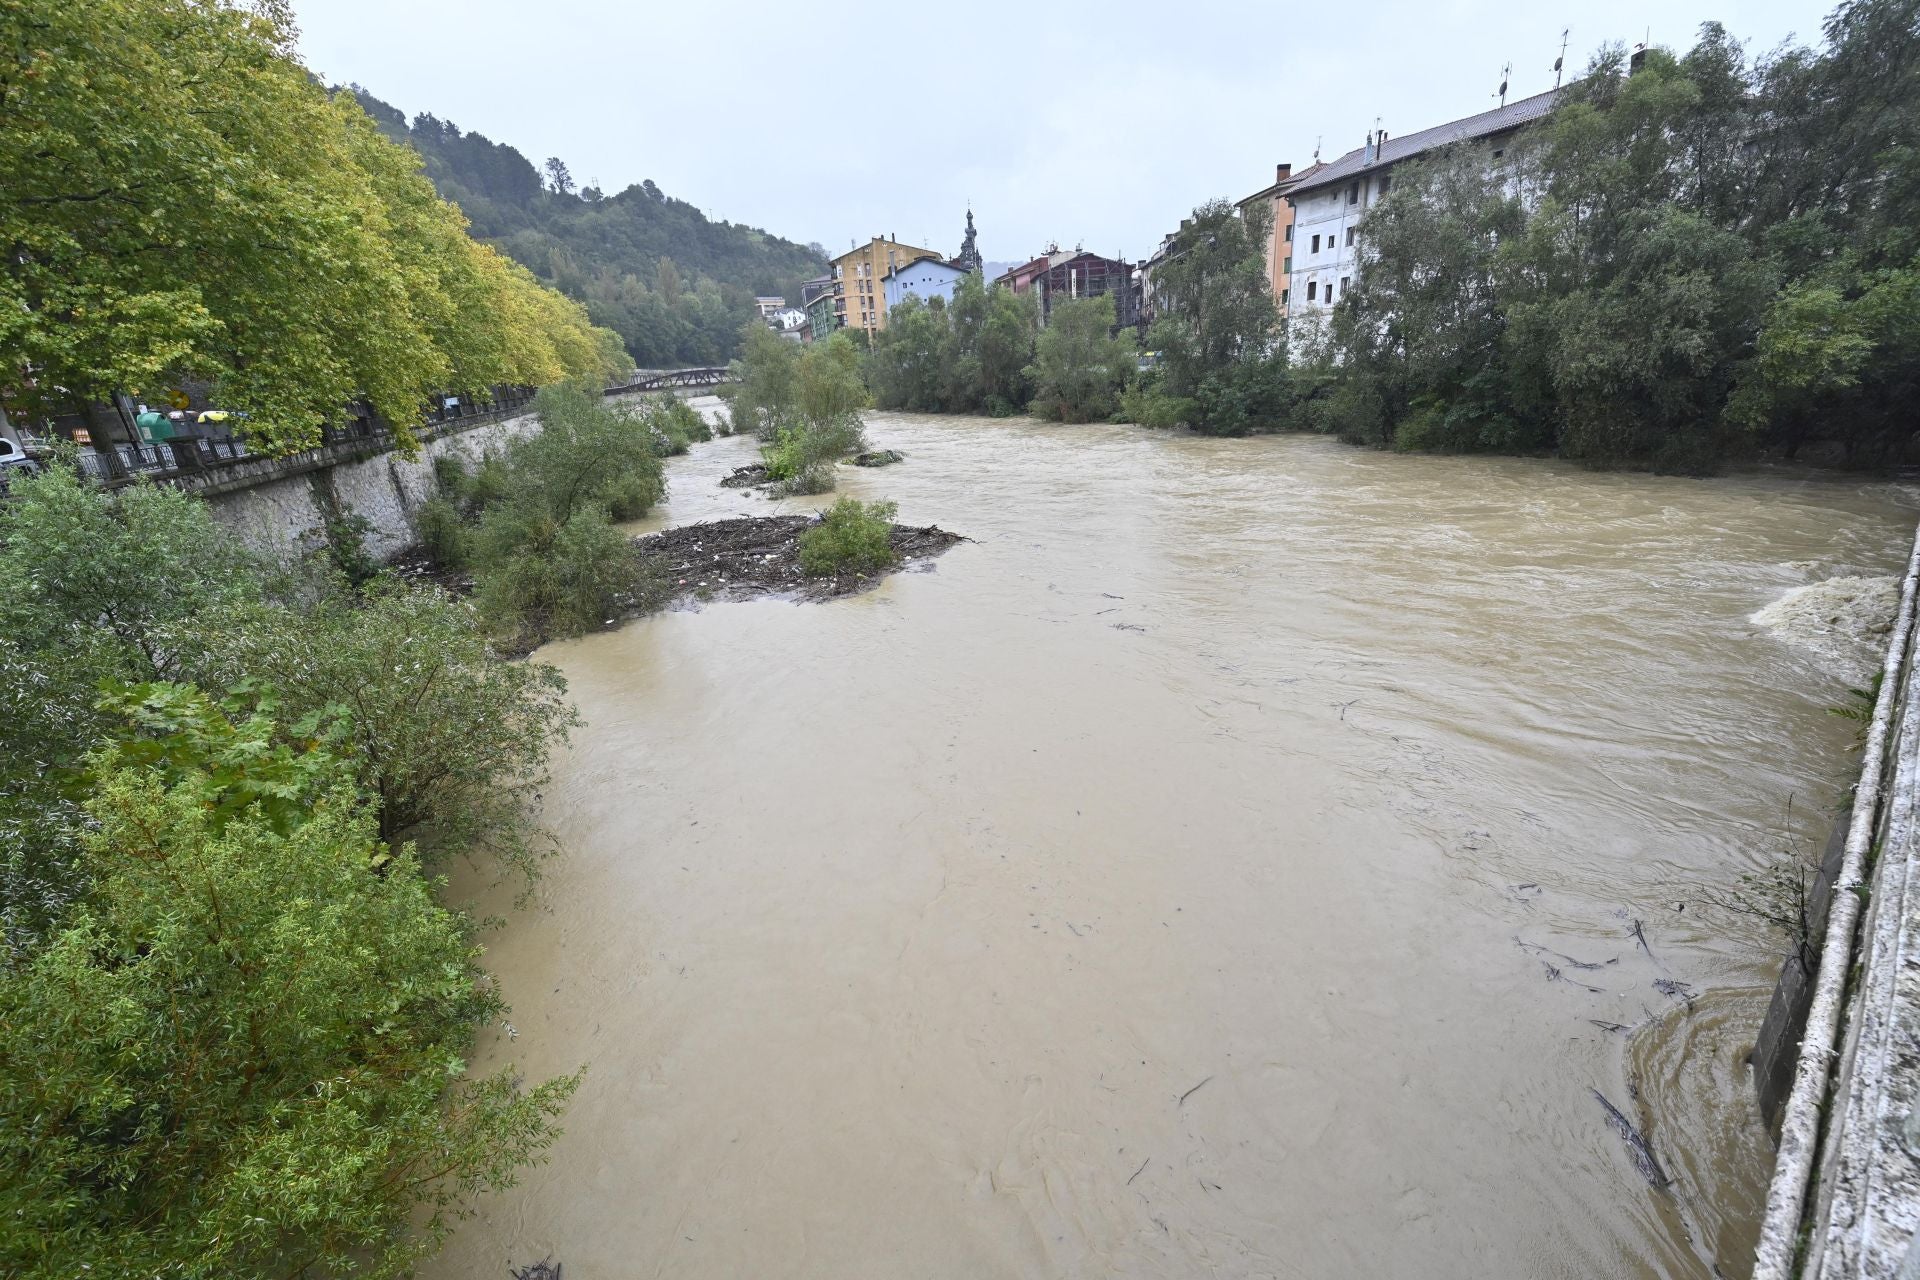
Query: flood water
<point x="1188" y="876"/>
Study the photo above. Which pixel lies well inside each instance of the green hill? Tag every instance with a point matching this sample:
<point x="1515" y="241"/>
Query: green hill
<point x="675" y="285"/>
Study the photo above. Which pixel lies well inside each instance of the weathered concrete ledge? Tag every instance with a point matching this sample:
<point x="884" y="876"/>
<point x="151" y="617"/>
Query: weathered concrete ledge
<point x="1844" y="1203"/>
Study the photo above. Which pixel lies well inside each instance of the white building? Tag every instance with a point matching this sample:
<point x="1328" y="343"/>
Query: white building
<point x="927" y="279"/>
<point x="1330" y="202"/>
<point x="767" y="306"/>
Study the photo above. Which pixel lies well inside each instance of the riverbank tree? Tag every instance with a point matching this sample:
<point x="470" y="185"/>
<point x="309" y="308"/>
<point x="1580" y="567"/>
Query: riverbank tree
<point x="970" y="354"/>
<point x="1080" y="364"/>
<point x="535" y="523"/>
<point x="186" y="204"/>
<point x="803" y="403"/>
<point x="1693" y="258"/>
<point x="1218" y="366"/>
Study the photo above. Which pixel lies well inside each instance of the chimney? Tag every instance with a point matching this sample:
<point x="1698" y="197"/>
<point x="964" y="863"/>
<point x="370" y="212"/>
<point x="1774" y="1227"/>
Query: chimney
<point x="1281" y="172"/>
<point x="1185" y="223"/>
<point x="1368" y="155"/>
<point x="1383" y="140"/>
<point x="1637" y="61"/>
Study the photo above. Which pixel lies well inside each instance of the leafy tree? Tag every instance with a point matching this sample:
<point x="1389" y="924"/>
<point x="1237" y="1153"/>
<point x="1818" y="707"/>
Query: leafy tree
<point x="243" y="1053"/>
<point x="806" y="404"/>
<point x="448" y="740"/>
<point x="188" y="204"/>
<point x="559" y="181"/>
<point x="909" y="366"/>
<point x="106" y="580"/>
<point x="546" y="552"/>
<point x="1215" y="302"/>
<point x="1080" y="366"/>
<point x="762" y="395"/>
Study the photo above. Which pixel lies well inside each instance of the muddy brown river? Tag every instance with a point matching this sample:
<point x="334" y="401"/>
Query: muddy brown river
<point x="1189" y="876"/>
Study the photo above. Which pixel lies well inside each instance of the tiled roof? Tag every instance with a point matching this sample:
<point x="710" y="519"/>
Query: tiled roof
<point x="1499" y="120"/>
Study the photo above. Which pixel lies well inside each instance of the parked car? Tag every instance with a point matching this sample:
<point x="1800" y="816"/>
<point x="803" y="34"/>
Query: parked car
<point x="15" y="461"/>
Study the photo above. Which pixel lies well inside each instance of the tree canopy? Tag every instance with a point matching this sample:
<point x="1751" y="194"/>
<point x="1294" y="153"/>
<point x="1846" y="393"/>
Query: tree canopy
<point x="185" y="203"/>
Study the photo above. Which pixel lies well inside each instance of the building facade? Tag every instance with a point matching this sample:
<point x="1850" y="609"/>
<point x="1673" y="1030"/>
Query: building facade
<point x="1330" y="201"/>
<point x="860" y="300"/>
<point x="1279" y="244"/>
<point x="926" y="279"/>
<point x="1059" y="276"/>
<point x="767" y="306"/>
<point x="822" y="318"/>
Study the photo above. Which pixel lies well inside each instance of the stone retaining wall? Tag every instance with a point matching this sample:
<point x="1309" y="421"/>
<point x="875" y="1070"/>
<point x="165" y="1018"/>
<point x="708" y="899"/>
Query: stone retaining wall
<point x="279" y="508"/>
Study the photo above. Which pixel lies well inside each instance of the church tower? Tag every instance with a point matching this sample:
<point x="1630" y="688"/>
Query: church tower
<point x="968" y="259"/>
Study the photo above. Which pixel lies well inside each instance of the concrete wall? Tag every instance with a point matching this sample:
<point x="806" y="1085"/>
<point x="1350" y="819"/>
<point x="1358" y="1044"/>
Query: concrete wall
<point x="282" y="510"/>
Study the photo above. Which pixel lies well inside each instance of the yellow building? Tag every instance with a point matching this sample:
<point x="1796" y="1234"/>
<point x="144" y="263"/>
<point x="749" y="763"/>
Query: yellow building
<point x="859" y="299"/>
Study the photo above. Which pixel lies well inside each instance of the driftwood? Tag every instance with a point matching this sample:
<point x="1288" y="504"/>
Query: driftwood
<point x="1567" y="960"/>
<point x="1637" y="1146"/>
<point x="1554" y="975"/>
<point x="1639" y="934"/>
<point x="545" y="1269"/>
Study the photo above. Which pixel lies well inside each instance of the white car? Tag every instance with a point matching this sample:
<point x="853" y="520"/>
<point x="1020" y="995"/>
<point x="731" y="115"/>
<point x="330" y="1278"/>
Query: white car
<point x="15" y="461"/>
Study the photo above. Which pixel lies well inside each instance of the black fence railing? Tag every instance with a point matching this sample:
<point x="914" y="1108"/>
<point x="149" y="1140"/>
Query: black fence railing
<point x="205" y="452"/>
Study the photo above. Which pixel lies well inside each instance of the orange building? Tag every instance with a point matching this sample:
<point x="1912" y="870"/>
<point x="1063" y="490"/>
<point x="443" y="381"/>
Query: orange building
<point x="1280" y="240"/>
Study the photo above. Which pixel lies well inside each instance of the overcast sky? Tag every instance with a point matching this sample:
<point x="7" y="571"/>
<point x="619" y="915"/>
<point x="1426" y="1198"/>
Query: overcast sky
<point x="1087" y="123"/>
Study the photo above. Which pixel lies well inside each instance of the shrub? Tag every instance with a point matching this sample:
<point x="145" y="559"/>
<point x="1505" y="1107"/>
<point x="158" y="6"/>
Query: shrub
<point x="243" y="1052"/>
<point x="1152" y="407"/>
<point x="442" y="533"/>
<point x="106" y="578"/>
<point x="449" y="740"/>
<point x="544" y="579"/>
<point x="852" y="537"/>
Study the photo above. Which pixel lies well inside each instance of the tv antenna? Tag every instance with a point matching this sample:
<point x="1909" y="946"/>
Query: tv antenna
<point x="1506" y="74"/>
<point x="1560" y="62"/>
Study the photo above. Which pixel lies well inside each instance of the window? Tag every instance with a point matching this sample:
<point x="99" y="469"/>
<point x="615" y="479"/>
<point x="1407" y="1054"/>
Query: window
<point x="1349" y="235"/>
<point x="1353" y="194"/>
<point x="1286" y="265"/>
<point x="1283" y="298"/>
<point x="1316" y="244"/>
<point x="1312" y="288"/>
<point x="1386" y="180"/>
<point x="1345" y="283"/>
<point x="1289" y="233"/>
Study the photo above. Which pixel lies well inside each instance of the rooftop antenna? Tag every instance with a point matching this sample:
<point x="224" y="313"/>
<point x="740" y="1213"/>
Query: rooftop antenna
<point x="1560" y="62"/>
<point x="1506" y="73"/>
<point x="1316" y="150"/>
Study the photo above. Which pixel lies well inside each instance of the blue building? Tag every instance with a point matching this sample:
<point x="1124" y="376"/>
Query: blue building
<point x="929" y="278"/>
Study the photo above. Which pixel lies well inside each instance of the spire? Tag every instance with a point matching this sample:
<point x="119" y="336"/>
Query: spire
<point x="968" y="259"/>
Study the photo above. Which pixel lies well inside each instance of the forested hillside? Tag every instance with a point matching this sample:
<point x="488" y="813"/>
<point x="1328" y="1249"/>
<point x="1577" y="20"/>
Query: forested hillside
<point x="672" y="283"/>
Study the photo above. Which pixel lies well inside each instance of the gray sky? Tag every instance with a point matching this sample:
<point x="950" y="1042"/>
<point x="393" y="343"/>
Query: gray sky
<point x="1085" y="123"/>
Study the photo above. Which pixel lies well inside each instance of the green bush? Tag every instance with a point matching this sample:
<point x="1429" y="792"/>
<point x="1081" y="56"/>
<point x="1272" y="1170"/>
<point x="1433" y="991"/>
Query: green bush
<point x="450" y="741"/>
<point x="442" y="533"/>
<point x="1151" y="407"/>
<point x="243" y="1053"/>
<point x="551" y="579"/>
<point x="852" y="537"/>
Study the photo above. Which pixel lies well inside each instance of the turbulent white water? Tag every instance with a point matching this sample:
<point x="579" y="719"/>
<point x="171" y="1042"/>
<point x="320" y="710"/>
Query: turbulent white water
<point x="1226" y="864"/>
<point x="1842" y="621"/>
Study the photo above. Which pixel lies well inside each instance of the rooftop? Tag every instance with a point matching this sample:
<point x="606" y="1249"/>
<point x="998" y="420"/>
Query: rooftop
<point x="1499" y="120"/>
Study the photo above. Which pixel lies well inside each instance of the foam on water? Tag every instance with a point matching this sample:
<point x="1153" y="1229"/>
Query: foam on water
<point x="1842" y="622"/>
